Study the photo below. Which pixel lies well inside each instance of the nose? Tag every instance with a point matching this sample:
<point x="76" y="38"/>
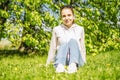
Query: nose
<point x="66" y="17"/>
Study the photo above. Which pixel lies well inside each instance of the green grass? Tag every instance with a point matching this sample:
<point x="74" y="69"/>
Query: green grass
<point x="104" y="66"/>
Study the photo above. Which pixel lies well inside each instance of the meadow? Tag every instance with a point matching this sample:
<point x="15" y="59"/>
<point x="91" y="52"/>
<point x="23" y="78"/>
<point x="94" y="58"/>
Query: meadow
<point x="103" y="66"/>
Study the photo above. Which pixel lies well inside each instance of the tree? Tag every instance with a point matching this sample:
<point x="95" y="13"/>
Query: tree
<point x="28" y="24"/>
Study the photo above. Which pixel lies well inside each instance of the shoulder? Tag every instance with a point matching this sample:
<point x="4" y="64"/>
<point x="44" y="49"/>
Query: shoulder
<point x="57" y="28"/>
<point x="78" y="27"/>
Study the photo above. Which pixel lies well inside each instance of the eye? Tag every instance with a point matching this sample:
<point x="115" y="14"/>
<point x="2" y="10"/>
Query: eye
<point x="63" y="16"/>
<point x="69" y="14"/>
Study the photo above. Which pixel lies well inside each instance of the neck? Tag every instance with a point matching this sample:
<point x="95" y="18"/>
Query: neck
<point x="67" y="27"/>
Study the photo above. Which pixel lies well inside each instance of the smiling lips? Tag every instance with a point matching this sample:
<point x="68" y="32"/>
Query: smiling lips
<point x="67" y="21"/>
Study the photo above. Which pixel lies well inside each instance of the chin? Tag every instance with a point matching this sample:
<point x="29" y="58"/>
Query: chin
<point x="68" y="24"/>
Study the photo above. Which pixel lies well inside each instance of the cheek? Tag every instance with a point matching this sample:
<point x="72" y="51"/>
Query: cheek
<point x="72" y="18"/>
<point x="63" y="19"/>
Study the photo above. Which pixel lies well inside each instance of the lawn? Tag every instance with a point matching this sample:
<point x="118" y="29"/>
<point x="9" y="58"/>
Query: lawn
<point x="103" y="66"/>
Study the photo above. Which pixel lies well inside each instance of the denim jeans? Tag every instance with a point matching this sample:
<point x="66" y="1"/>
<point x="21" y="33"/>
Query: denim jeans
<point x="72" y="49"/>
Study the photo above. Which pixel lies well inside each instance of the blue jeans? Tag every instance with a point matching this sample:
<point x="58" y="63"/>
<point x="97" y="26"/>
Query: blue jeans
<point x="73" y="50"/>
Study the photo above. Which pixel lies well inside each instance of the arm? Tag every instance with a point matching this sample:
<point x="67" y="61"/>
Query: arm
<point x="52" y="50"/>
<point x="83" y="49"/>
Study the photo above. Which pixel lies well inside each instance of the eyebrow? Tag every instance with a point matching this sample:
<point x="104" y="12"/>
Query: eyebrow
<point x="67" y="14"/>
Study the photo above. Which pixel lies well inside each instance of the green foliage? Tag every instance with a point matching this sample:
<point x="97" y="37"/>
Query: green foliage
<point x="100" y="27"/>
<point x="28" y="24"/>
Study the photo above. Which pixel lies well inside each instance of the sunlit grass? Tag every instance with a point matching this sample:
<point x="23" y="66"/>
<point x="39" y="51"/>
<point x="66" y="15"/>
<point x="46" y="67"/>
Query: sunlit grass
<point x="104" y="66"/>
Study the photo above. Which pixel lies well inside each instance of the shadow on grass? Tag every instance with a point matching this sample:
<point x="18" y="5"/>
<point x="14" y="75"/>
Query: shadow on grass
<point x="7" y="53"/>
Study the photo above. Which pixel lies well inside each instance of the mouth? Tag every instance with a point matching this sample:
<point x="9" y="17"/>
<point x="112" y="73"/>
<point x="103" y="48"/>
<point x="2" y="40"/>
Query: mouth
<point x="67" y="21"/>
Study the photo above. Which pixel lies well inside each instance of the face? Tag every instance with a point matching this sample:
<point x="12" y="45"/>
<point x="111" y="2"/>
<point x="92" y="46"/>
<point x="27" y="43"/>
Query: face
<point x="67" y="17"/>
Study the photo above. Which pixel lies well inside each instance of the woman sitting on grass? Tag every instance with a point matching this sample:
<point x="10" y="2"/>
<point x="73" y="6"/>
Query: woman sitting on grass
<point x="67" y="47"/>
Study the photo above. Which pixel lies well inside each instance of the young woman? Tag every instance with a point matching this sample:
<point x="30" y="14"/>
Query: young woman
<point x="67" y="45"/>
